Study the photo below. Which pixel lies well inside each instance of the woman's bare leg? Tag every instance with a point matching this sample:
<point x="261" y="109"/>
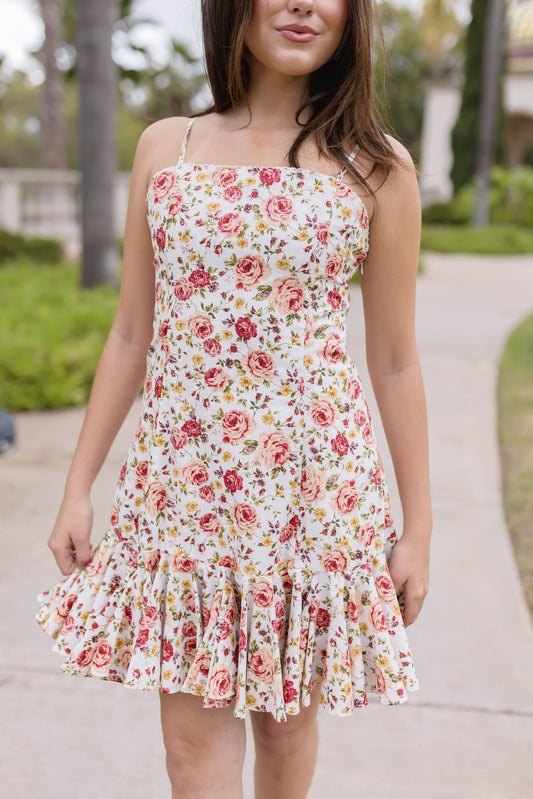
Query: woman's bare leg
<point x="286" y="752"/>
<point x="205" y="748"/>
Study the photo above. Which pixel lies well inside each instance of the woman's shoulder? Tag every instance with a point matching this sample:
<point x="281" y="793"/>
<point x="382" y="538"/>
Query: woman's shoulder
<point x="164" y="130"/>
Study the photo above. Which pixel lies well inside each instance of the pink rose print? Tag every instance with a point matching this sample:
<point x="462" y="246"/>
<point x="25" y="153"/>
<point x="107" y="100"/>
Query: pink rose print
<point x="344" y="500"/>
<point x="250" y="270"/>
<point x="322" y="232"/>
<point x="195" y="473"/>
<point x="236" y="425"/>
<point x="141" y="474"/>
<point x="224" y="176"/>
<point x="200" y="278"/>
<point x="175" y="203"/>
<point x="245" y="517"/>
<point x="212" y="347"/>
<point x="200" y="324"/>
<point x="102" y="657"/>
<point x="286" y="295"/>
<point x="273" y="449"/>
<point x="259" y="365"/>
<point x="353" y="388"/>
<point x="233" y="194"/>
<point x="366" y="534"/>
<point x="151" y="559"/>
<point x="340" y="445"/>
<point x="313" y="484"/>
<point x="162" y="182"/>
<point x="331" y="349"/>
<point x="279" y="209"/>
<point x="156" y="498"/>
<point x="334" y="559"/>
<point x="219" y="682"/>
<point x="377" y="617"/>
<point x="334" y="265"/>
<point x="210" y="524"/>
<point x="178" y="438"/>
<point x="183" y="289"/>
<point x="263" y="593"/>
<point x="216" y="379"/>
<point x="262" y="665"/>
<point x="230" y="224"/>
<point x="322" y="411"/>
<point x="385" y="588"/>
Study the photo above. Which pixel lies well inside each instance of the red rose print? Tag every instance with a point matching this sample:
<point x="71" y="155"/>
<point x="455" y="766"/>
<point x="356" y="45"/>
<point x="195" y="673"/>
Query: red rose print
<point x="289" y="691"/>
<point x="224" y="176"/>
<point x="279" y="209"/>
<point x="191" y="428"/>
<point x="161" y="238"/>
<point x="259" y="365"/>
<point x="245" y="328"/>
<point x="345" y="498"/>
<point x="323" y="618"/>
<point x="270" y="175"/>
<point x="175" y="203"/>
<point x="200" y="324"/>
<point x="322" y="232"/>
<point x="340" y="445"/>
<point x="216" y="378"/>
<point x="233" y="480"/>
<point x="263" y="593"/>
<point x="200" y="278"/>
<point x="168" y="650"/>
<point x="210" y="524"/>
<point x="262" y="665"/>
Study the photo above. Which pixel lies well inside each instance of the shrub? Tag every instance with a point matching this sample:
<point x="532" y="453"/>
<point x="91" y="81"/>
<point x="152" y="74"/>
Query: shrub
<point x="42" y="251"/>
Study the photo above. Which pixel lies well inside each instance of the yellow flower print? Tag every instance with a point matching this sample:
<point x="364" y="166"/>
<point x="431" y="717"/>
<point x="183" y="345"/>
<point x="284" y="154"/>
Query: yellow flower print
<point x="261" y="226"/>
<point x="352" y="433"/>
<point x="197" y="359"/>
<point x="213" y="207"/>
<point x="283" y="263"/>
<point x="246" y="382"/>
<point x="192" y="507"/>
<point x="184" y="237"/>
<point x="167" y="674"/>
<point x="160" y="441"/>
<point x="179" y="324"/>
<point x="138" y="502"/>
<point x="142" y="447"/>
<point x="226" y="456"/>
<point x="383" y="661"/>
<point x="346" y="212"/>
<point x="363" y="627"/>
<point x="250" y="181"/>
<point x="303" y="235"/>
<point x="285" y="390"/>
<point x="120" y="643"/>
<point x="239" y="302"/>
<point x="242" y="242"/>
<point x="202" y="176"/>
<point x="227" y="334"/>
<point x="332" y="392"/>
<point x="308" y="361"/>
<point x="336" y="668"/>
<point x="349" y="466"/>
<point x="249" y="568"/>
<point x="250" y="700"/>
<point x="227" y="396"/>
<point x="320" y="513"/>
<point x="218" y="485"/>
<point x="356" y="650"/>
<point x="268" y="418"/>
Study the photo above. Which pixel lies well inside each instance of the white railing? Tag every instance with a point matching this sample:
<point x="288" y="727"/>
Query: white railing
<point x="46" y="202"/>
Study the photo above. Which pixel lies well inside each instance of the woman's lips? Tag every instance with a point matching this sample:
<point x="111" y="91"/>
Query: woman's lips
<point x="297" y="36"/>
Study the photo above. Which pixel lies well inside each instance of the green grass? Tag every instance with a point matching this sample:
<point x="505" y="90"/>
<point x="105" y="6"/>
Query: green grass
<point x="515" y="430"/>
<point x="52" y="334"/>
<point x="492" y="240"/>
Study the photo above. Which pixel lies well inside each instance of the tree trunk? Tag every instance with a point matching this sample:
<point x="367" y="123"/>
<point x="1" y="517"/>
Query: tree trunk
<point x="97" y="86"/>
<point x="53" y="120"/>
<point x="492" y="66"/>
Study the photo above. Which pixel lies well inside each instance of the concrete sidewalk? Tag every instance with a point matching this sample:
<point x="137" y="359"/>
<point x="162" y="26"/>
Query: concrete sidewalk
<point x="467" y="733"/>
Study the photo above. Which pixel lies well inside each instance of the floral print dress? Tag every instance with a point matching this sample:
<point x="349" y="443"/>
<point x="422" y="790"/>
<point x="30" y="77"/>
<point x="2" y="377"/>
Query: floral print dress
<point x="246" y="555"/>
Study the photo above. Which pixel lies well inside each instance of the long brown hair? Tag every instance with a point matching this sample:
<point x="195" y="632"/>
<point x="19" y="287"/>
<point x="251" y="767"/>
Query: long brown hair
<point x="341" y="92"/>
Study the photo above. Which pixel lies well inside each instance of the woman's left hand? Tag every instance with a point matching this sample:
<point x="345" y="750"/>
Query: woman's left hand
<point x="409" y="570"/>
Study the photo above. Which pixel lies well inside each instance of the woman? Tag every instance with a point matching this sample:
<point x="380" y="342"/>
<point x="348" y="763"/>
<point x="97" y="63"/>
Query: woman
<point x="251" y="562"/>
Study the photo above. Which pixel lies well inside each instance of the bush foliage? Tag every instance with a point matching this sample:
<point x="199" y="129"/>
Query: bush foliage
<point x="42" y="251"/>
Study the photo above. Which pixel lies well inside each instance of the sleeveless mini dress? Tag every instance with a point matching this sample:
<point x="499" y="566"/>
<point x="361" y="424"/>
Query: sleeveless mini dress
<point x="247" y="549"/>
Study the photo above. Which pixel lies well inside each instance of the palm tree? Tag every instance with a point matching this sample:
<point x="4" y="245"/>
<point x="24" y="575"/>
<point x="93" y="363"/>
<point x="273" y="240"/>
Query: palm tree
<point x="53" y="120"/>
<point x="489" y="117"/>
<point x="97" y="86"/>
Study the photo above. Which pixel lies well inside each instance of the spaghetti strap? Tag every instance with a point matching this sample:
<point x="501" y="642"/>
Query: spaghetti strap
<point x="184" y="143"/>
<point x="350" y="159"/>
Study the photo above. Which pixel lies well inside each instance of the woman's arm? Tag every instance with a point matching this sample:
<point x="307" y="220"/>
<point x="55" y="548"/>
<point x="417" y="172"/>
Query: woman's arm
<point x="119" y="375"/>
<point x="388" y="289"/>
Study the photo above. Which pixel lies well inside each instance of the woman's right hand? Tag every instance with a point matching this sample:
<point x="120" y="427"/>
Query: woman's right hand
<point x="70" y="540"/>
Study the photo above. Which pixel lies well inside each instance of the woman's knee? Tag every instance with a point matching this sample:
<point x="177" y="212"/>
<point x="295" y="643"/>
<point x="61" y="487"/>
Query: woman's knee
<point x="284" y="737"/>
<point x="200" y="740"/>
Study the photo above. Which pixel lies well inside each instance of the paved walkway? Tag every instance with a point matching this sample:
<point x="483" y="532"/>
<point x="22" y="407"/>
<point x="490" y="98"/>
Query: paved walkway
<point x="467" y="733"/>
